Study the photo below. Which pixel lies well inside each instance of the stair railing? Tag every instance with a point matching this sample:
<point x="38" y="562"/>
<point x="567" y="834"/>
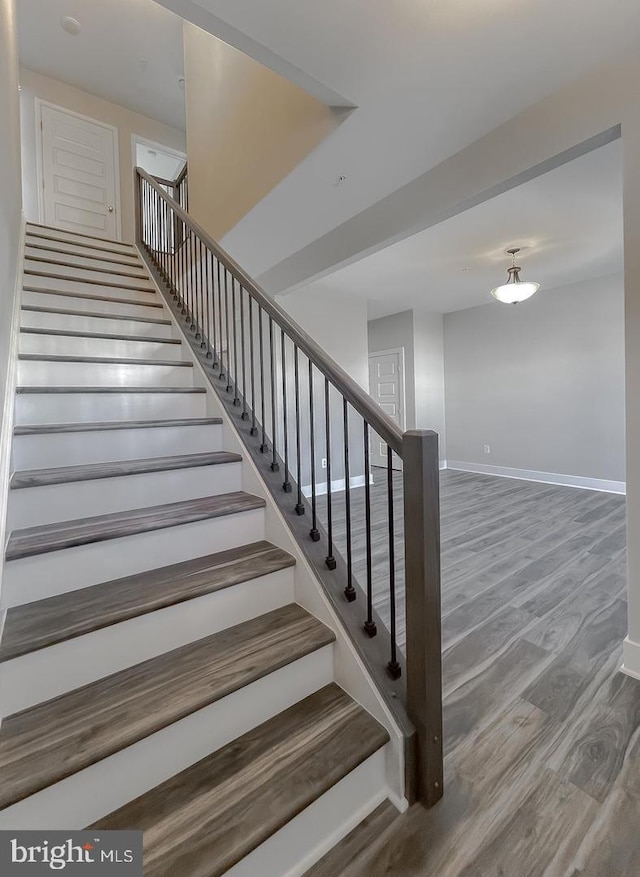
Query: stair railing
<point x="316" y="434"/>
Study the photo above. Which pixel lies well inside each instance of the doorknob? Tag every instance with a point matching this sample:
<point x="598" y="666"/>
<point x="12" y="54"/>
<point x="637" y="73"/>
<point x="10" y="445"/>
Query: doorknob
<point x="110" y="209"/>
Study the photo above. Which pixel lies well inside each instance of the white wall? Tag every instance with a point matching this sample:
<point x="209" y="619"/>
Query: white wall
<point x="421" y="335"/>
<point x="34" y="85"/>
<point x="337" y="324"/>
<point x="542" y="383"/>
<point x="428" y="342"/>
<point x="10" y="232"/>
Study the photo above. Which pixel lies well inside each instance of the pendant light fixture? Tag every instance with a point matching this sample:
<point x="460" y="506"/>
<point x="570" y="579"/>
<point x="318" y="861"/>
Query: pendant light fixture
<point x="514" y="290"/>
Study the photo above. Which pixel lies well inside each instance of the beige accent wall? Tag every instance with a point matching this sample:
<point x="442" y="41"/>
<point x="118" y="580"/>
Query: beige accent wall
<point x="247" y="129"/>
<point x="34" y="85"/>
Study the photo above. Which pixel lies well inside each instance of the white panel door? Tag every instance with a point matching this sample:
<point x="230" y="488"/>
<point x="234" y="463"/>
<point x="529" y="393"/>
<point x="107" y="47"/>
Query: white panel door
<point x="386" y="385"/>
<point x="78" y="174"/>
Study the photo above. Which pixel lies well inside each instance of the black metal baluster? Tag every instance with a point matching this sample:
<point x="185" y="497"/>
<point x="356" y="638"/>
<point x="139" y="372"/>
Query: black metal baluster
<point x="192" y="279"/>
<point x="313" y="532"/>
<point x="199" y="294"/>
<point x="254" y="428"/>
<point x="369" y="625"/>
<point x="296" y="384"/>
<point x="263" y="445"/>
<point x="228" y="388"/>
<point x="236" y="398"/>
<point x="393" y="666"/>
<point x="183" y="280"/>
<point x="243" y="353"/>
<point x="211" y="310"/>
<point x="330" y="559"/>
<point x="349" y="591"/>
<point x="272" y="364"/>
<point x="286" y="484"/>
<point x="207" y="301"/>
<point x="221" y="376"/>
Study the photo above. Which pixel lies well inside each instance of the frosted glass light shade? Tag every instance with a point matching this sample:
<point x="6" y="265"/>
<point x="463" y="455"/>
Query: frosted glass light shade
<point x="512" y="293"/>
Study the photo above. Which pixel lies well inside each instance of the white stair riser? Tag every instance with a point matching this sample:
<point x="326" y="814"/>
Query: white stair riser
<point x="129" y="276"/>
<point x="93" y="289"/>
<point x="93" y="305"/>
<point x="34" y="408"/>
<point x="64" y="345"/>
<point x="76" y="448"/>
<point x="100" y="324"/>
<point x="34" y="234"/>
<point x="57" y="572"/>
<point x="303" y="841"/>
<point x="29" y="507"/>
<point x="61" y="258"/>
<point x="74" y="803"/>
<point x="45" y="373"/>
<point x="57" y="250"/>
<point x="47" y="673"/>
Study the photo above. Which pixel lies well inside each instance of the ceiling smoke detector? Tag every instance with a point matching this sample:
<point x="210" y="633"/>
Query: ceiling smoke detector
<point x="70" y="25"/>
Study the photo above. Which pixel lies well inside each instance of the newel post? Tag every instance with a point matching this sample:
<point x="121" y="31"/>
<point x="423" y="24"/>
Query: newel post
<point x="137" y="206"/>
<point x="421" y="475"/>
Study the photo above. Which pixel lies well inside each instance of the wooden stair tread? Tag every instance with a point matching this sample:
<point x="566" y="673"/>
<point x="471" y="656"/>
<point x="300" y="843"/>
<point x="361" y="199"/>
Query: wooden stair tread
<point x="139" y="274"/>
<point x="92" y="471"/>
<point x="70" y="293"/>
<point x="130" y="259"/>
<point x="103" y="360"/>
<point x="351" y="851"/>
<point x="204" y="820"/>
<point x="71" y="312"/>
<point x="52" y="230"/>
<point x="30" y="391"/>
<point x="56" y="619"/>
<point x="110" y="336"/>
<point x="53" y="740"/>
<point x="44" y="538"/>
<point x="52" y="275"/>
<point x="104" y="425"/>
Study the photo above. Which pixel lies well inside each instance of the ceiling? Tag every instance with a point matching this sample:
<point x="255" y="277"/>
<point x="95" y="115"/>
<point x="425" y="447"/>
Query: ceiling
<point x="128" y="51"/>
<point x="570" y="221"/>
<point x="428" y="77"/>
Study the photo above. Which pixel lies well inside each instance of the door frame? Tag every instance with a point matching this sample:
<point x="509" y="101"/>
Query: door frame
<point x="403" y="395"/>
<point x="145" y="141"/>
<point x="400" y="351"/>
<point x="113" y="130"/>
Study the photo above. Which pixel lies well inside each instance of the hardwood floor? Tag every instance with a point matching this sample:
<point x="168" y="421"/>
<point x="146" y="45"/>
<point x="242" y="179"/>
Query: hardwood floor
<point x="542" y="732"/>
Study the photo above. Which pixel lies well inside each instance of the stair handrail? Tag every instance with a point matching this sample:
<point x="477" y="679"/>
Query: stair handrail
<point x="383" y="424"/>
<point x="166" y="232"/>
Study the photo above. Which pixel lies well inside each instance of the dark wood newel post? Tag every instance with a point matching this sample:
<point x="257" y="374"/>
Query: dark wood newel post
<point x="422" y="585"/>
<point x="137" y="205"/>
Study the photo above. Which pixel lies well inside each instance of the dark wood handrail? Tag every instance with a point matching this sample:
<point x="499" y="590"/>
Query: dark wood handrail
<point x="385" y="426"/>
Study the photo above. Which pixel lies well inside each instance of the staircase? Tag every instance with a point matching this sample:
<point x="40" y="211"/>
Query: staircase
<point x="156" y="671"/>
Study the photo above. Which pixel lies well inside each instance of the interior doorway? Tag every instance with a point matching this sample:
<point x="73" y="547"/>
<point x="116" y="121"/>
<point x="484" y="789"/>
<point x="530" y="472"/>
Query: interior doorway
<point x="386" y="385"/>
<point x="158" y="160"/>
<point x="78" y="168"/>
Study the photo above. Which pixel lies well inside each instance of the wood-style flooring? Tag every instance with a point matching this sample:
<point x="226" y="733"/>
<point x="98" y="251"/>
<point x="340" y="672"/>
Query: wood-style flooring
<point x="542" y="731"/>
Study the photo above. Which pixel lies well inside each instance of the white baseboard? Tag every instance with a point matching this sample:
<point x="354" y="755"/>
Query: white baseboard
<point x="443" y="464"/>
<point x="544" y="477"/>
<point x="6" y="432"/>
<point x="337" y="485"/>
<point x="630" y="658"/>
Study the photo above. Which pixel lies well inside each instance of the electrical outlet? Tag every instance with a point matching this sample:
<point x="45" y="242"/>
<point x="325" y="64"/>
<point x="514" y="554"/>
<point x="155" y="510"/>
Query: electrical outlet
<point x="324" y="463"/>
<point x="487" y="449"/>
